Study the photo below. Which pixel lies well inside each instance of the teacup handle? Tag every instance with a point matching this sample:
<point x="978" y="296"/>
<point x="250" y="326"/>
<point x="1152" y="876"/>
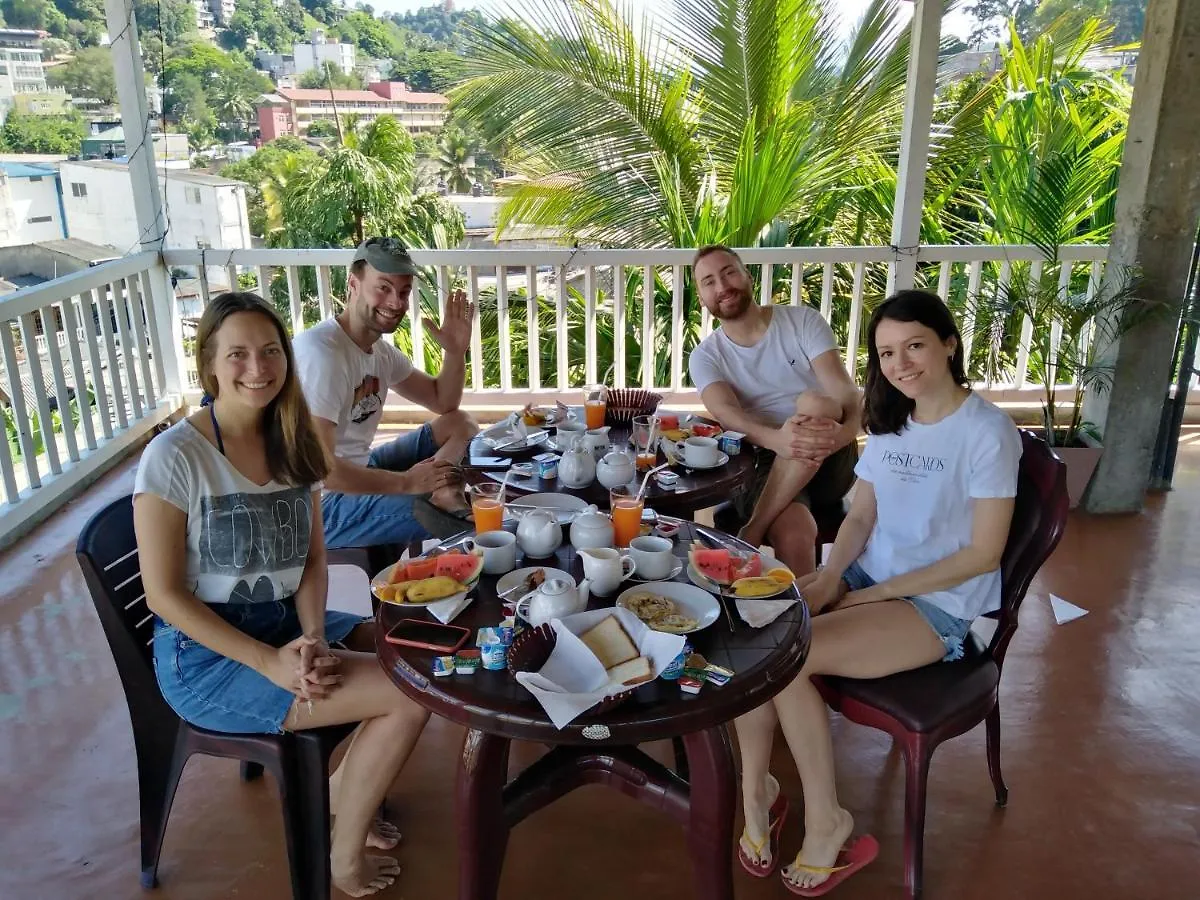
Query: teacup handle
<point x="632" y="566"/>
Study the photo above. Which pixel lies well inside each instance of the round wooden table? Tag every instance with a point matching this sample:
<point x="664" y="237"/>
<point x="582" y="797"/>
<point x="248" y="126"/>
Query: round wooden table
<point x="696" y="488"/>
<point x="601" y="747"/>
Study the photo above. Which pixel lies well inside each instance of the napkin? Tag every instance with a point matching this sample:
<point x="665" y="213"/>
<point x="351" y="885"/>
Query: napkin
<point x="758" y="613"/>
<point x="573" y="680"/>
<point x="446" y="610"/>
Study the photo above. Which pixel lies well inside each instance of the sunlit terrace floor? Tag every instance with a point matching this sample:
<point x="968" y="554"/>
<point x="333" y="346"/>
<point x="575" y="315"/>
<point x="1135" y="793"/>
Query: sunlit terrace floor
<point x="1101" y="753"/>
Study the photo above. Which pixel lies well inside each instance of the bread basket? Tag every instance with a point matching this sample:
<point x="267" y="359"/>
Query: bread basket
<point x="532" y="647"/>
<point x="626" y="403"/>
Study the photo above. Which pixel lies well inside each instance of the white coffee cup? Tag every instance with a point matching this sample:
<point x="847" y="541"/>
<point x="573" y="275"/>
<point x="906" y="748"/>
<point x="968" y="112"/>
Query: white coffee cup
<point x="499" y="551"/>
<point x="605" y="568"/>
<point x="654" y="556"/>
<point x="699" y="451"/>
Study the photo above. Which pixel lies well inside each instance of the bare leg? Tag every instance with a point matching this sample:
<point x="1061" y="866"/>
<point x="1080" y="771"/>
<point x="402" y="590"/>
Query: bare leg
<point x="793" y="537"/>
<point x="382" y="835"/>
<point x="391" y="724"/>
<point x="452" y="432"/>
<point x="785" y="480"/>
<point x="867" y="641"/>
<point x="756" y="734"/>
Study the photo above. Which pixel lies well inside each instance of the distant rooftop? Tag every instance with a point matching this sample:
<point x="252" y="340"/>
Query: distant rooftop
<point x="121" y="165"/>
<point x="25" y="170"/>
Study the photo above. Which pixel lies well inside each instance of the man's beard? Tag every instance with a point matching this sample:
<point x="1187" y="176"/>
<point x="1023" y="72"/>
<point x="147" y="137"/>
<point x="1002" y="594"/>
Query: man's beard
<point x="743" y="301"/>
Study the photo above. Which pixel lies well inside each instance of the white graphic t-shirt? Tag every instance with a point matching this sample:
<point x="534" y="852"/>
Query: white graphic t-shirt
<point x="768" y="377"/>
<point x="926" y="480"/>
<point x="245" y="543"/>
<point x="346" y="386"/>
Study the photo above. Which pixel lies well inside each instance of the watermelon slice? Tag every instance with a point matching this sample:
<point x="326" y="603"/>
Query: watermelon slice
<point x="714" y="564"/>
<point x="749" y="568"/>
<point x="462" y="567"/>
<point x="419" y="569"/>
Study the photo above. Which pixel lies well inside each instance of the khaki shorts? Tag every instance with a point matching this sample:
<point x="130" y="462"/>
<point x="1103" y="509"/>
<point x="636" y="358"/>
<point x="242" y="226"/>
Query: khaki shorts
<point x="828" y="486"/>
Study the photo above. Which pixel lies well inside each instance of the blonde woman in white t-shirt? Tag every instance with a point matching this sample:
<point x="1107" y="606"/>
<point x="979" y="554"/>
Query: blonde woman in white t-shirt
<point x="916" y="560"/>
<point x="227" y="511"/>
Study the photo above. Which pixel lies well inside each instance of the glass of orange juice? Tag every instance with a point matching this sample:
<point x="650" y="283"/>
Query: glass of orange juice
<point x="644" y="450"/>
<point x="486" y="507"/>
<point x="595" y="405"/>
<point x="626" y="509"/>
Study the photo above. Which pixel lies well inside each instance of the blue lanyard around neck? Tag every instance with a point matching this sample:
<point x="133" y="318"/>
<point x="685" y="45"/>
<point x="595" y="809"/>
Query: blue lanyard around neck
<point x="212" y="414"/>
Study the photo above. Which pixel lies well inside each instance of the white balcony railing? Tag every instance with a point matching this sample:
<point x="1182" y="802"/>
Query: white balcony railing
<point x="586" y="332"/>
<point x="71" y="406"/>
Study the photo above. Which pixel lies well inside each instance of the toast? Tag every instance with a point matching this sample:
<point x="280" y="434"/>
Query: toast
<point x="634" y="671"/>
<point x="609" y="642"/>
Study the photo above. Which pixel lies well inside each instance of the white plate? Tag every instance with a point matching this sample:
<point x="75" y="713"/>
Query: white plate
<point x="768" y="563"/>
<point x="503" y="433"/>
<point x="722" y="459"/>
<point x="516" y="576"/>
<point x="383" y="576"/>
<point x="692" y="602"/>
<point x="564" y="506"/>
<point x="671" y="577"/>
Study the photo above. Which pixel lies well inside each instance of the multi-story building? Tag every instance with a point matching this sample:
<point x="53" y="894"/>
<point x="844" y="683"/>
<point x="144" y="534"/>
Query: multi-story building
<point x="31" y="207"/>
<point x="21" y="69"/>
<point x="204" y="16"/>
<point x="293" y="110"/>
<point x="318" y="50"/>
<point x="222" y="10"/>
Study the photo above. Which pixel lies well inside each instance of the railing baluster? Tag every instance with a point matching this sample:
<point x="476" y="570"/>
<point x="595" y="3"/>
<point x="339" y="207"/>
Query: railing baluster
<point x="71" y="323"/>
<point x="676" y="327"/>
<point x="1026" y="340"/>
<point x="797" y="283"/>
<point x="533" y="348"/>
<point x="11" y="492"/>
<point x="264" y="282"/>
<point x="827" y="292"/>
<point x="1064" y="285"/>
<point x="648" y="327"/>
<point x="562" y="325"/>
<point x="120" y="309"/>
<point x="204" y="288"/>
<point x="94" y="318"/>
<point x="295" y="300"/>
<point x="46" y="423"/>
<point x="156" y="349"/>
<point x="1001" y="289"/>
<point x="325" y="291"/>
<point x="114" y="370"/>
<point x="504" y="327"/>
<point x="764" y="293"/>
<point x="231" y="273"/>
<point x="589" y="325"/>
<point x="17" y="396"/>
<point x="443" y="294"/>
<point x="1085" y="333"/>
<point x="134" y="304"/>
<point x="974" y="276"/>
<point x="856" y="307"/>
<point x="618" y="326"/>
<point x="50" y="329"/>
<point x="943" y="287"/>
<point x="476" y="334"/>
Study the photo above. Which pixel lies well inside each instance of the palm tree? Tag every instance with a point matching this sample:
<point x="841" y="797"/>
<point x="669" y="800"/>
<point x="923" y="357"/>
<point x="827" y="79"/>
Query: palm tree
<point x="456" y="160"/>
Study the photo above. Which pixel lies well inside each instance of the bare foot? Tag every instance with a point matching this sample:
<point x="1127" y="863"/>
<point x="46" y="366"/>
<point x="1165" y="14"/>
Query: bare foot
<point x="382" y="835"/>
<point x="369" y="874"/>
<point x="756" y="806"/>
<point x="450" y="498"/>
<point x="822" y="843"/>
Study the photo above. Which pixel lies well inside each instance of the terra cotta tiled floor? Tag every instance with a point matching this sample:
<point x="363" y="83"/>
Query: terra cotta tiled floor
<point x="1101" y="748"/>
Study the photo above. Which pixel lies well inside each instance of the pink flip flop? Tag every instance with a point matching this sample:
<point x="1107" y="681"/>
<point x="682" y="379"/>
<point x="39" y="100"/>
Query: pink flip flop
<point x="775" y="819"/>
<point x="853" y="856"/>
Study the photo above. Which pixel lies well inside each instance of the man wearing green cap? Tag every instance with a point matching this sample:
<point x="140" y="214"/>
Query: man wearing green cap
<point x="346" y="365"/>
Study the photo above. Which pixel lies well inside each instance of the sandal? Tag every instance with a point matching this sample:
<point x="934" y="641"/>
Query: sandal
<point x="775" y="819"/>
<point x="851" y="858"/>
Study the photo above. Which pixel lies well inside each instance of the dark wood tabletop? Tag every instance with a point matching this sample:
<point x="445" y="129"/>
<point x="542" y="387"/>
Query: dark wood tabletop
<point x="764" y="660"/>
<point x="696" y="489"/>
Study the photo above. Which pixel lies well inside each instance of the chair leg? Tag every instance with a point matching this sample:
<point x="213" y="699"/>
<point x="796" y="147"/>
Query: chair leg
<point x="917" y="753"/>
<point x="681" y="760"/>
<point x="294" y="800"/>
<point x="250" y="771"/>
<point x="159" y="765"/>
<point x="993" y="756"/>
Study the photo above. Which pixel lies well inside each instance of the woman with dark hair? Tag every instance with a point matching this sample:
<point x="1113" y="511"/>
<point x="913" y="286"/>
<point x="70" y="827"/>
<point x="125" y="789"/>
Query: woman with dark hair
<point x="916" y="560"/>
<point x="227" y="511"/>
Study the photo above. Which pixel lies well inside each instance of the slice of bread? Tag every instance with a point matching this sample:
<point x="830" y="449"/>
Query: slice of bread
<point x="609" y="642"/>
<point x="635" y="671"/>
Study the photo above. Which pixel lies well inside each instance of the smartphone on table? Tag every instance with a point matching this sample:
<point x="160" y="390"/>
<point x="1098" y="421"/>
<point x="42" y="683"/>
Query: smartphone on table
<point x="427" y="635"/>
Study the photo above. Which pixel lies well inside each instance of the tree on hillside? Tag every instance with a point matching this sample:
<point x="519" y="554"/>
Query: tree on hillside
<point x="1031" y="17"/>
<point x="991" y="18"/>
<point x="23" y="133"/>
<point x="428" y="70"/>
<point x="329" y="74"/>
<point x="170" y="19"/>
<point x="88" y="74"/>
<point x="259" y="168"/>
<point x="367" y="33"/>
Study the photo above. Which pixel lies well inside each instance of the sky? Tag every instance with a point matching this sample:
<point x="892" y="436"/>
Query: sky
<point x="956" y="23"/>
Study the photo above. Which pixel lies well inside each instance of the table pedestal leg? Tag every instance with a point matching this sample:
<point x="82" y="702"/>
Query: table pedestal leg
<point x="710" y="824"/>
<point x="479" y="801"/>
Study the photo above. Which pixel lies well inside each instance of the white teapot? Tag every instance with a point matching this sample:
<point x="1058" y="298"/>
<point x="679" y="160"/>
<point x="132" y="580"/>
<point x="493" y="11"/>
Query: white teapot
<point x="591" y="528"/>
<point x="539" y="533"/>
<point x="615" y="469"/>
<point x="577" y="468"/>
<point x="555" y="598"/>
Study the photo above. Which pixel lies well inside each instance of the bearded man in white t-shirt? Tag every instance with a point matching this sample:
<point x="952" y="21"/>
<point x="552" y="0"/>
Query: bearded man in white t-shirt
<point x="397" y="492"/>
<point x="751" y="374"/>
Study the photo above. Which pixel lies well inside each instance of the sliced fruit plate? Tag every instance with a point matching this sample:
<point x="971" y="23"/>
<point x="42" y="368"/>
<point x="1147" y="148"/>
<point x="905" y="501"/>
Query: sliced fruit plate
<point x="749" y="576"/>
<point x="428" y="579"/>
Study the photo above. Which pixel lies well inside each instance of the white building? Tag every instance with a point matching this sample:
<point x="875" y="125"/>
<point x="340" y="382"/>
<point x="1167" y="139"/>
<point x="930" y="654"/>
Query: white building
<point x="21" y="69"/>
<point x="31" y="207"/>
<point x="204" y="16"/>
<point x="202" y="210"/>
<point x="319" y="50"/>
<point x="223" y="10"/>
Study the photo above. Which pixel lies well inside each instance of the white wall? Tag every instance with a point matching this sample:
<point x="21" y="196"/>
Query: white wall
<point x="480" y="212"/>
<point x="311" y="56"/>
<point x="105" y="214"/>
<point x="35" y="200"/>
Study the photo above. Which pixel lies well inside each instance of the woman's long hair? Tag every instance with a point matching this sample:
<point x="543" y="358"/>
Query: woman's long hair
<point x="885" y="408"/>
<point x="295" y="455"/>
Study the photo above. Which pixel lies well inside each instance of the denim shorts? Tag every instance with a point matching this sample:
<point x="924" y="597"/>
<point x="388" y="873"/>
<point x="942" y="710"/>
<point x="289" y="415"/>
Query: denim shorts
<point x="952" y="630"/>
<point x="219" y="693"/>
<point x="363" y="520"/>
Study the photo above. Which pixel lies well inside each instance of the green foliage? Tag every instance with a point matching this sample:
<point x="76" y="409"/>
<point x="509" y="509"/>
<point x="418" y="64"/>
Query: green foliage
<point x="322" y="128"/>
<point x="88" y="74"/>
<point x="23" y="133"/>
<point x="328" y="74"/>
<point x="456" y="159"/>
<point x="275" y="28"/>
<point x="259" y="168"/>
<point x="371" y="36"/>
<point x="425" y="69"/>
<point x="206" y="87"/>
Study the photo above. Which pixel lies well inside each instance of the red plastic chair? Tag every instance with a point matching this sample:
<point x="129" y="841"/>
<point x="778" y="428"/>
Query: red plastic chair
<point x="924" y="707"/>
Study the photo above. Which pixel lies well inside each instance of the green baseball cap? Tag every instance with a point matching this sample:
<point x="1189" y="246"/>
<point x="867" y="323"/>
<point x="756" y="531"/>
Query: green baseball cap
<point x="387" y="255"/>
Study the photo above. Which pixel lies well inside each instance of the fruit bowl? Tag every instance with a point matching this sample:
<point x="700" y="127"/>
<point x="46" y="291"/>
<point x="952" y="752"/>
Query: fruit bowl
<point x="532" y="647"/>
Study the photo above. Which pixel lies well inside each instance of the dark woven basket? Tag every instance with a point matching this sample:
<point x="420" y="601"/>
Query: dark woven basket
<point x="626" y="403"/>
<point x="532" y="647"/>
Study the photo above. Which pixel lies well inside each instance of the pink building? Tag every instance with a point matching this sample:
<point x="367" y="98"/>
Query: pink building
<point x="293" y="110"/>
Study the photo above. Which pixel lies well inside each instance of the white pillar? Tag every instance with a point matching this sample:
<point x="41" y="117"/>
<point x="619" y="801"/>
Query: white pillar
<point x="135" y="120"/>
<point x="914" y="143"/>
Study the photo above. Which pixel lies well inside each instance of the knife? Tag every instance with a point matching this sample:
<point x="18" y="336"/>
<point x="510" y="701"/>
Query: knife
<point x="531" y="438"/>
